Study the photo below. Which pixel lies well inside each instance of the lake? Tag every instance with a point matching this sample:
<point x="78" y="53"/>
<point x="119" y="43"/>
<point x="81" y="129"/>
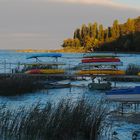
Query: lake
<point x="124" y="129"/>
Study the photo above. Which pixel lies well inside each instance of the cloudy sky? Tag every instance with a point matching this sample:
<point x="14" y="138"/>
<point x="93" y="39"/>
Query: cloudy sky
<point x="43" y="24"/>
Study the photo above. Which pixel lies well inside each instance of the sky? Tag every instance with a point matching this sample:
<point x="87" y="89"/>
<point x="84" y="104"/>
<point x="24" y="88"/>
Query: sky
<point x="44" y="24"/>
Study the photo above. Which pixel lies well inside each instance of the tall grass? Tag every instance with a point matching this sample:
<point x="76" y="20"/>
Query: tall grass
<point x="13" y="86"/>
<point x="132" y="69"/>
<point x="67" y="120"/>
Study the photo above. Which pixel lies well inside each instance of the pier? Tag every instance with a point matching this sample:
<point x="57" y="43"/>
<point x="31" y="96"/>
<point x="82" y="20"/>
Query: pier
<point x="9" y="70"/>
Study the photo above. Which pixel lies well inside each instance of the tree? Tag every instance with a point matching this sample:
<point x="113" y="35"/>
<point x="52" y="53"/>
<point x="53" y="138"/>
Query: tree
<point x="115" y="30"/>
<point x="77" y="34"/>
<point x="101" y="33"/>
<point x="84" y="31"/>
<point x="130" y="26"/>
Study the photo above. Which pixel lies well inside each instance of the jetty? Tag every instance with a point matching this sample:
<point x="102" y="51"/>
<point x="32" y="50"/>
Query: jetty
<point x="9" y="70"/>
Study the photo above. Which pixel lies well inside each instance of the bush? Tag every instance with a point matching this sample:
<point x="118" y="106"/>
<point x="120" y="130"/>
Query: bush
<point x="132" y="69"/>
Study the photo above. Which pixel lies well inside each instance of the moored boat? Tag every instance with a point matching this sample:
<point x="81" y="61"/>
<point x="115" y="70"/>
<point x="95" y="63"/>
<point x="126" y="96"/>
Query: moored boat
<point x="99" y="86"/>
<point x="127" y="94"/>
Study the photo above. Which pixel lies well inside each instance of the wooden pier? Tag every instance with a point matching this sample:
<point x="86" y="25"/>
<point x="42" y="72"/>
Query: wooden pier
<point x="7" y="69"/>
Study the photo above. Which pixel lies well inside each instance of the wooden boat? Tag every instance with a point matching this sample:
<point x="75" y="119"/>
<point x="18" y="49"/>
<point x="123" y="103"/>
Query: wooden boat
<point x="45" y="71"/>
<point x="128" y="94"/>
<point x="89" y="60"/>
<point x="101" y="72"/>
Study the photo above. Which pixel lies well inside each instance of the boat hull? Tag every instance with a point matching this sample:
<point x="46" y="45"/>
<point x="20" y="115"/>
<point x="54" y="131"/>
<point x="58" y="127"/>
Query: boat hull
<point x="91" y="55"/>
<point x="100" y="60"/>
<point x="99" y="86"/>
<point x="45" y="71"/>
<point x="102" y="64"/>
<point x="129" y="94"/>
<point x="102" y="72"/>
<point x="124" y="97"/>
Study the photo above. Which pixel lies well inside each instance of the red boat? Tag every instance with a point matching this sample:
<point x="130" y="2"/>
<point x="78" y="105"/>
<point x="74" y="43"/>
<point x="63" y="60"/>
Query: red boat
<point x="100" y="60"/>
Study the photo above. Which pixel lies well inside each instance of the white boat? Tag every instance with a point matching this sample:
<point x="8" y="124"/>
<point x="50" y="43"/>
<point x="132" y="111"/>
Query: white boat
<point x="101" y="64"/>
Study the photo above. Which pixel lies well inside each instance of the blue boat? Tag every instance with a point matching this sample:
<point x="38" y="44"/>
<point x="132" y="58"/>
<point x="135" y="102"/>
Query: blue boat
<point x="127" y="94"/>
<point x="55" y="55"/>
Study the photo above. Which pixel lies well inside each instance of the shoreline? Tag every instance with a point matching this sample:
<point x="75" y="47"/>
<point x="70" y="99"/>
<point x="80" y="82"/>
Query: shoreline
<point x="63" y="51"/>
<point x="48" y="51"/>
<point x="70" y="51"/>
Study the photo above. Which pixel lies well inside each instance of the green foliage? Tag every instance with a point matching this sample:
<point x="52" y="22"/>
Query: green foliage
<point x="120" y="37"/>
<point x="73" y="43"/>
<point x="132" y="69"/>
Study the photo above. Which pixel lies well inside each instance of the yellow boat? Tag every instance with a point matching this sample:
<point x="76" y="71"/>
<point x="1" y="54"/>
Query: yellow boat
<point x="45" y="71"/>
<point x="107" y="72"/>
<point x="139" y="74"/>
<point x="52" y="71"/>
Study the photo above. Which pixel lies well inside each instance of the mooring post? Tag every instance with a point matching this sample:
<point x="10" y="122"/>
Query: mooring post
<point x="115" y="84"/>
<point x="122" y="109"/>
<point x="4" y="66"/>
<point x="10" y="64"/>
<point x="135" y="107"/>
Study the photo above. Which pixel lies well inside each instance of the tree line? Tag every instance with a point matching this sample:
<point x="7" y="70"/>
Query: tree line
<point x="118" y="37"/>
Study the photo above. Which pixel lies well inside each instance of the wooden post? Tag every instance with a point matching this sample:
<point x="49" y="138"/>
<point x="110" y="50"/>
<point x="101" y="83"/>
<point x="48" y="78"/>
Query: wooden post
<point x="122" y="109"/>
<point x="115" y="84"/>
<point x="4" y="66"/>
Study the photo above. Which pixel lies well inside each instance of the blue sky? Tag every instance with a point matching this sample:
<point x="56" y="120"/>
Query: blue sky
<point x="44" y="24"/>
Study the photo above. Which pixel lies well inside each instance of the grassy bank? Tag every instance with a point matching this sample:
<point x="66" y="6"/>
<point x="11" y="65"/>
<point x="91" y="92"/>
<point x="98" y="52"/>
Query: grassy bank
<point x="67" y="120"/>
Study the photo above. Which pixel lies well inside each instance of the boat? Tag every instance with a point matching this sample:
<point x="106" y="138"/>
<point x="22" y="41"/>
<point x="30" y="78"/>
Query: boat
<point x="101" y="64"/>
<point x="57" y="85"/>
<point x="45" y="55"/>
<point x="99" y="86"/>
<point x="90" y="55"/>
<point x="126" y="94"/>
<point x="45" y="71"/>
<point x="101" y="72"/>
<point x="89" y="60"/>
<point x="40" y="67"/>
<point x="139" y="74"/>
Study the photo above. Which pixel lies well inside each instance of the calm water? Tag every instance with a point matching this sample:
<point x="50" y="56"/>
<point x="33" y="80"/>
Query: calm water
<point x="124" y="129"/>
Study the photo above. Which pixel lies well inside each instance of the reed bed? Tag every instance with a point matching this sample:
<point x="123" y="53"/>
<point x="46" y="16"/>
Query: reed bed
<point x="14" y="86"/>
<point x="132" y="69"/>
<point x="66" y="120"/>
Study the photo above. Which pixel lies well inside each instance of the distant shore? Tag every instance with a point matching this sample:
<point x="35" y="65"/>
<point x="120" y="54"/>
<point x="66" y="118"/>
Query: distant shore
<point x="58" y="50"/>
<point x="69" y="51"/>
